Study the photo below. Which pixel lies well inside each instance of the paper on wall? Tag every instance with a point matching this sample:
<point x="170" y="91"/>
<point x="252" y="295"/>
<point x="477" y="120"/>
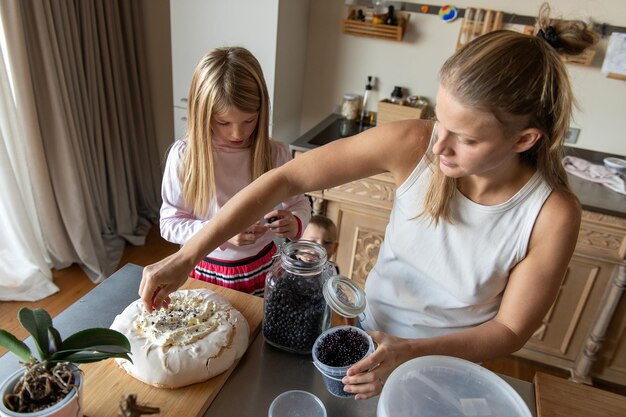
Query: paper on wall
<point x="615" y="59"/>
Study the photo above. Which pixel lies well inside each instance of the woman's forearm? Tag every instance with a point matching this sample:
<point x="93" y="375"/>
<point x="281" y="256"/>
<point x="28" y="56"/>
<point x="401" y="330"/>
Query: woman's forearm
<point x="487" y="341"/>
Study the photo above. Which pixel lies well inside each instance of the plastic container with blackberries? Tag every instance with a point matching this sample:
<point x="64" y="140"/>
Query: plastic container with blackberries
<point x="300" y="290"/>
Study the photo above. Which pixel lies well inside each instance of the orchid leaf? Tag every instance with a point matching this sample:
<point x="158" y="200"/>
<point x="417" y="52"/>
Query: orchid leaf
<point x="88" y="357"/>
<point x="64" y="354"/>
<point x="94" y="337"/>
<point x="13" y="344"/>
<point x="37" y="322"/>
<point x="55" y="340"/>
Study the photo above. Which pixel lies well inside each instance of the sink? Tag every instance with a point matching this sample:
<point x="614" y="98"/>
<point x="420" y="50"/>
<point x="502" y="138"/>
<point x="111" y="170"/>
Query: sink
<point x="331" y="128"/>
<point x="339" y="128"/>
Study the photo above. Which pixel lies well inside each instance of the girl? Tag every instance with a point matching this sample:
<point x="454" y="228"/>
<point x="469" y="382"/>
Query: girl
<point x="483" y="223"/>
<point x="227" y="146"/>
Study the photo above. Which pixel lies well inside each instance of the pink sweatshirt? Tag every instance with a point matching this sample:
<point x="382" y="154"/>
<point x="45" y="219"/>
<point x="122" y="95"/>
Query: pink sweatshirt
<point x="178" y="223"/>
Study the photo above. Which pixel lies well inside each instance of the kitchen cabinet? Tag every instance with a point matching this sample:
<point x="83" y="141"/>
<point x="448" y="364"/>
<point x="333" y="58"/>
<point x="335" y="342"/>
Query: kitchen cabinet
<point x="275" y="31"/>
<point x="585" y="330"/>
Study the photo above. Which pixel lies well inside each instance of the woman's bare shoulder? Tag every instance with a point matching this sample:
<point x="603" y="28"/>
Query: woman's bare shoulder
<point x="406" y="142"/>
<point x="560" y="216"/>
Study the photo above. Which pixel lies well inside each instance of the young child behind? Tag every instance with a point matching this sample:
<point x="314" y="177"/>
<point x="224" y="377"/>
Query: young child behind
<point x="323" y="231"/>
<point x="226" y="147"/>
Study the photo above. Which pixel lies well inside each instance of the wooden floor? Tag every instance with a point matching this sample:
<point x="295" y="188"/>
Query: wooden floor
<point x="73" y="284"/>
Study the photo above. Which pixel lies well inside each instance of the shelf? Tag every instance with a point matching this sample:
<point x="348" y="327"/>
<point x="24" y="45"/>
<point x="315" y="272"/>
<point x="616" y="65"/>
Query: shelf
<point x="352" y="26"/>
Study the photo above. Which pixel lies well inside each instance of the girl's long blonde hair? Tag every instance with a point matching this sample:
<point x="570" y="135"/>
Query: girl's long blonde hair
<point x="224" y="78"/>
<point x="523" y="82"/>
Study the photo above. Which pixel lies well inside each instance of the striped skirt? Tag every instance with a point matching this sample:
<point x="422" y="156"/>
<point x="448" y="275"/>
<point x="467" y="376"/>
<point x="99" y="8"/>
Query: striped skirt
<point x="246" y="275"/>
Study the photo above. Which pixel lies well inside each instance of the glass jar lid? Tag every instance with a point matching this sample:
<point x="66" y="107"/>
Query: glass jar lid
<point x="344" y="296"/>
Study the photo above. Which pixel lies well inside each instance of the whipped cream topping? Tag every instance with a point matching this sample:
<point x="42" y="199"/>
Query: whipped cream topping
<point x="184" y="321"/>
<point x="166" y="349"/>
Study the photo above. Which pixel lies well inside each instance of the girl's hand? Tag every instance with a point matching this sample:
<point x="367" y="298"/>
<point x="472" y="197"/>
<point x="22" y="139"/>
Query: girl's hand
<point x="367" y="377"/>
<point x="248" y="236"/>
<point x="282" y="223"/>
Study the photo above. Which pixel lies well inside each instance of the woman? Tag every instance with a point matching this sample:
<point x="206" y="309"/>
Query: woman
<point x="483" y="224"/>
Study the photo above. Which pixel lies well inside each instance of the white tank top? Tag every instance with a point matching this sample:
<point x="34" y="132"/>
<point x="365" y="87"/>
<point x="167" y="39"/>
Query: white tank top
<point x="432" y="280"/>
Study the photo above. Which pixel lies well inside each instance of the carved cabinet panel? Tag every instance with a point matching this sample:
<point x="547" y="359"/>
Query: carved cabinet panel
<point x="361" y="233"/>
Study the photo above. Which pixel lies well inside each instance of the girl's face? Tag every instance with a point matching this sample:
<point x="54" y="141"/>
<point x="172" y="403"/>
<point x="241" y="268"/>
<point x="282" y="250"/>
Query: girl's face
<point x="233" y="128"/>
<point x="470" y="141"/>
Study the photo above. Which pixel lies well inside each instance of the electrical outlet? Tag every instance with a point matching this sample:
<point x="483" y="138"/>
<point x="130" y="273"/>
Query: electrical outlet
<point x="572" y="135"/>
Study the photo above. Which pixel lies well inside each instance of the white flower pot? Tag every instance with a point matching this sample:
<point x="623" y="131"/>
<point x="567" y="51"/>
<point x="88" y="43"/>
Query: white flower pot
<point x="70" y="406"/>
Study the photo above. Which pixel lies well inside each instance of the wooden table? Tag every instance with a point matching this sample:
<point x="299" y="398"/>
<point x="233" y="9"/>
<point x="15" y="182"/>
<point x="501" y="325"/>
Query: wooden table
<point x="262" y="373"/>
<point x="558" y="397"/>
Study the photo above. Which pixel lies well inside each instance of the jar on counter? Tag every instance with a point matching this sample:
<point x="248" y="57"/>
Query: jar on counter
<point x="300" y="290"/>
<point x="350" y="106"/>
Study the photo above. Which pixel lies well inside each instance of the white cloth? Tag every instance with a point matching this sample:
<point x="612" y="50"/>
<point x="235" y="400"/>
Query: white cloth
<point x="433" y="280"/>
<point x="179" y="224"/>
<point x="25" y="273"/>
<point x="597" y="173"/>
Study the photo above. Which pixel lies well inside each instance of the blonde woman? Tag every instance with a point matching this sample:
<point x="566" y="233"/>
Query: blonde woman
<point x="483" y="223"/>
<point x="226" y="147"/>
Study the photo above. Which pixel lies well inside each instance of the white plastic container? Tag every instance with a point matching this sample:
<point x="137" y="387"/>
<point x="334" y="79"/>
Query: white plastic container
<point x="436" y="386"/>
<point x="297" y="403"/>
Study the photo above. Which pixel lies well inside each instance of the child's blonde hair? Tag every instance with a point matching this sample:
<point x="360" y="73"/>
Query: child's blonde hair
<point x="224" y="78"/>
<point x="523" y="82"/>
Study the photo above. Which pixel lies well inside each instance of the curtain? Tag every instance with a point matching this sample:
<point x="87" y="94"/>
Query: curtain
<point x="24" y="265"/>
<point x="82" y="94"/>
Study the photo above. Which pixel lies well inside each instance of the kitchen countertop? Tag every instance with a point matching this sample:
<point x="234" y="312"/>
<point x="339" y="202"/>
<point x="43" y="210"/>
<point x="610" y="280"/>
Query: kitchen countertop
<point x="593" y="196"/>
<point x="262" y="373"/>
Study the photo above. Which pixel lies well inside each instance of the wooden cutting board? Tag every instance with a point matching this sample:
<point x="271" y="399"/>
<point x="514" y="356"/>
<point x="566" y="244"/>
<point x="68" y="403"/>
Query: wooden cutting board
<point x="106" y="383"/>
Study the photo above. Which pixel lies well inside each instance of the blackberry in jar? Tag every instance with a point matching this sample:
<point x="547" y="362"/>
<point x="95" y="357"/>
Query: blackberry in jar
<point x="295" y="311"/>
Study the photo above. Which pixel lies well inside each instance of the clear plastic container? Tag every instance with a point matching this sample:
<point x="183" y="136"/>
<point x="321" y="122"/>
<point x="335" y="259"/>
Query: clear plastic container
<point x="300" y="289"/>
<point x="435" y="386"/>
<point x="333" y="374"/>
<point x="297" y="403"/>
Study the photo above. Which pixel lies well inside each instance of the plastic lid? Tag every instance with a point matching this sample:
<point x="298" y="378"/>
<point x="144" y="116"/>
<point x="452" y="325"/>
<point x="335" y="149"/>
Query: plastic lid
<point x="435" y="386"/>
<point x="297" y="403"/>
<point x="344" y="296"/>
<point x="350" y="96"/>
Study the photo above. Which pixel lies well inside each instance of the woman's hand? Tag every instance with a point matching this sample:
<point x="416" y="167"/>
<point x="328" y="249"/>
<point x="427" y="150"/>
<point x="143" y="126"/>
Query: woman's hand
<point x="282" y="223"/>
<point x="367" y="377"/>
<point x="248" y="236"/>
<point x="160" y="279"/>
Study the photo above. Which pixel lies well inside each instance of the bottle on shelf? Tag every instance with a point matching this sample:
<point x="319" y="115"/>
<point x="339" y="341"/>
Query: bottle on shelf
<point x="378" y="16"/>
<point x="391" y="18"/>
<point x="397" y="97"/>
<point x="366" y="95"/>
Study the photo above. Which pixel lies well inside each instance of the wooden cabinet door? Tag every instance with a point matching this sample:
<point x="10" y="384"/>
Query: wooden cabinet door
<point x="361" y="233"/>
<point x="560" y="337"/>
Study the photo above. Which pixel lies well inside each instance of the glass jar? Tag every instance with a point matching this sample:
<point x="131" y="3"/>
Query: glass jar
<point x="300" y="289"/>
<point x="350" y="106"/>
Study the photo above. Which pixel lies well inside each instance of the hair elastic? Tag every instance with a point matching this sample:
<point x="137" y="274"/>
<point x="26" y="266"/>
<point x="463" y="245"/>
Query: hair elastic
<point x="550" y="36"/>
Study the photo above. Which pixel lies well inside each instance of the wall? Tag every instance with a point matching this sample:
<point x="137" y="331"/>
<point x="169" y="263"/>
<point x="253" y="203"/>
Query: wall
<point x="338" y="64"/>
<point x="274" y="31"/>
<point x="157" y="35"/>
<point x="291" y="40"/>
